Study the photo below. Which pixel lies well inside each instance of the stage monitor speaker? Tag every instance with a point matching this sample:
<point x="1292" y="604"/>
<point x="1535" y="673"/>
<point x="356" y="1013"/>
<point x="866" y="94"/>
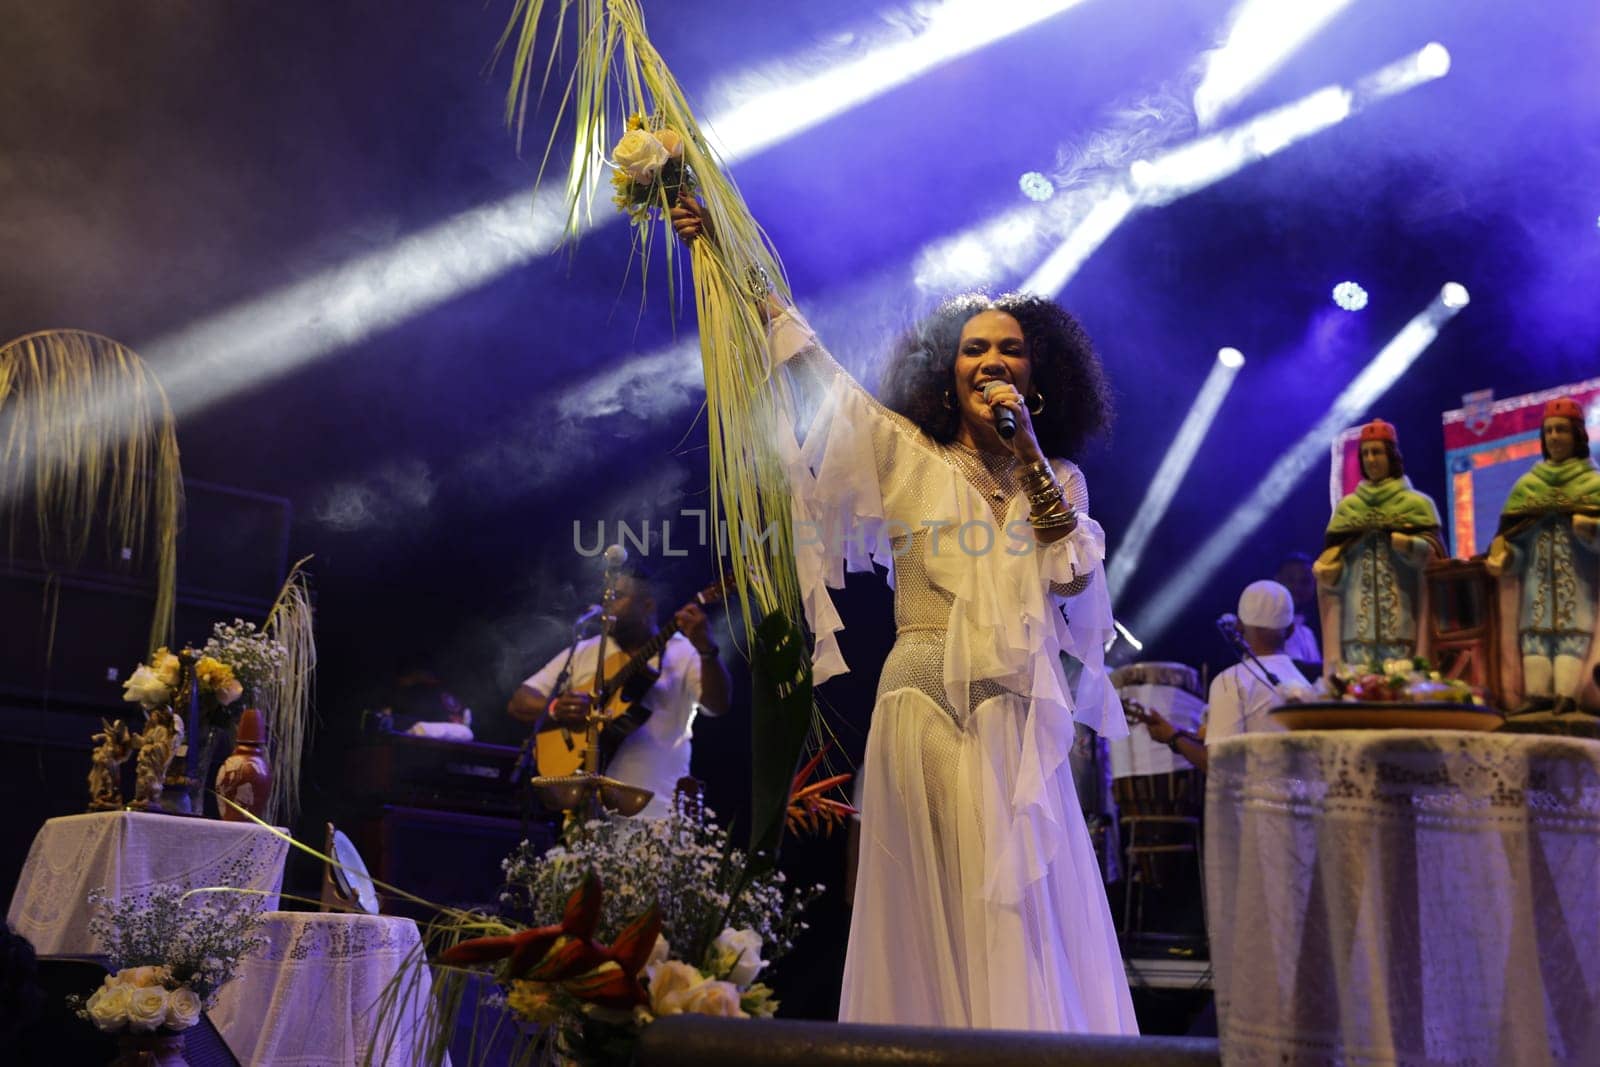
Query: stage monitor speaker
<point x="447" y="858"/>
<point x="73" y="640"/>
<point x="233" y="544"/>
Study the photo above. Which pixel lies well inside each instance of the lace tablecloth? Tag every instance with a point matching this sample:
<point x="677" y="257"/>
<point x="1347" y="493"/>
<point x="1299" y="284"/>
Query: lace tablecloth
<point x="1405" y="897"/>
<point x="309" y="998"/>
<point x="127" y="852"/>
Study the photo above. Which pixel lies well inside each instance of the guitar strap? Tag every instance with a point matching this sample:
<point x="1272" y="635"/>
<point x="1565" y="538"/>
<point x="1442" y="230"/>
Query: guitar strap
<point x="619" y="729"/>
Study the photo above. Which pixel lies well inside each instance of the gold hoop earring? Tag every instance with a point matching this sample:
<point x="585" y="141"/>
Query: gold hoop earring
<point x="1040" y="409"/>
<point x="949" y="400"/>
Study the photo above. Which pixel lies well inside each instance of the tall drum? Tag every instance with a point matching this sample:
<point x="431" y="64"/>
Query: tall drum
<point x="1150" y="778"/>
<point x="1159" y="795"/>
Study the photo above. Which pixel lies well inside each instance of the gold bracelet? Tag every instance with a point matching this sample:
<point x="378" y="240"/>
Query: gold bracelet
<point x="1053" y="520"/>
<point x="1041" y="469"/>
<point x="1043" y="499"/>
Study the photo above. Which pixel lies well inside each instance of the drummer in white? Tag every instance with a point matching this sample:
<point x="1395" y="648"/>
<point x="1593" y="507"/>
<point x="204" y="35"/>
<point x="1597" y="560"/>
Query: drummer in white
<point x="1242" y="695"/>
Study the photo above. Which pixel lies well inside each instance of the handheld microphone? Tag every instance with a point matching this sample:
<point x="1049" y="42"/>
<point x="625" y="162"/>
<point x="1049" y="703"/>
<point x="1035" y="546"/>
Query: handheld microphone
<point x="1005" y="420"/>
<point x="615" y="556"/>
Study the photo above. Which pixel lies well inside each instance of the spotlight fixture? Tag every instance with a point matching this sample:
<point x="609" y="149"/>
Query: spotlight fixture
<point x="1454" y="295"/>
<point x="1230" y="357"/>
<point x="1036" y="186"/>
<point x="1433" y="60"/>
<point x="1350" y="296"/>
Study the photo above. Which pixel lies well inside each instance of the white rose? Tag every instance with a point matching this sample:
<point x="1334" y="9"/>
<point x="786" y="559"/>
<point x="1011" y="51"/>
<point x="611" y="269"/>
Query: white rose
<point x="671" y="142"/>
<point x="660" y="953"/>
<point x="183" y="1008"/>
<point x="715" y="998"/>
<point x="108" y="1007"/>
<point x="736" y="954"/>
<point x="640" y="156"/>
<point x="670" y="986"/>
<point x="145" y="688"/>
<point x="147" y="1008"/>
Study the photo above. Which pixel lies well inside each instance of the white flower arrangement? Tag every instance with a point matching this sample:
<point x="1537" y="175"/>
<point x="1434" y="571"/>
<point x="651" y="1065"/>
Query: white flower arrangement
<point x="684" y="864"/>
<point x="579" y="975"/>
<point x="253" y="656"/>
<point x="169" y="953"/>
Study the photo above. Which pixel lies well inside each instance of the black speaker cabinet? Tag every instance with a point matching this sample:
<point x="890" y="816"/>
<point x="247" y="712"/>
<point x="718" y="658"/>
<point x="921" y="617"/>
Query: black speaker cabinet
<point x="444" y="857"/>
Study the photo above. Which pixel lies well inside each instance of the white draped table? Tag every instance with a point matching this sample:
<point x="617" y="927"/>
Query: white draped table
<point x="130" y="852"/>
<point x="309" y="997"/>
<point x="1405" y="897"/>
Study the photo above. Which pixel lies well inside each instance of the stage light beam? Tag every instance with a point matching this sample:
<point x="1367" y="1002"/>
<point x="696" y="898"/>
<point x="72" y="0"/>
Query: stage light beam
<point x="1174" y="466"/>
<point x="1196" y="164"/>
<point x="1262" y="35"/>
<point x="1385" y="368"/>
<point x="261" y="339"/>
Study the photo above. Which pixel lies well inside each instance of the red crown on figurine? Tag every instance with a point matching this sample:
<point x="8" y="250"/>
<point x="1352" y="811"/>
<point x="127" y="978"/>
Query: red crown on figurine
<point x="1378" y="430"/>
<point x="1563" y="407"/>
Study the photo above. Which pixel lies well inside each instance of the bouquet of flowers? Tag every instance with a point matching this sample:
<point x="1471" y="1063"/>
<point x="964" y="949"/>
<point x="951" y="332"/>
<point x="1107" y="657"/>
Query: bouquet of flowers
<point x="1408" y="681"/>
<point x="649" y="173"/>
<point x="238" y="659"/>
<point x="630" y="920"/>
<point x="168" y="955"/>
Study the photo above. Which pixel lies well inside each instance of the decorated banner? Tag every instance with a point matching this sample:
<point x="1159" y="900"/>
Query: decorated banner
<point x="1488" y="447"/>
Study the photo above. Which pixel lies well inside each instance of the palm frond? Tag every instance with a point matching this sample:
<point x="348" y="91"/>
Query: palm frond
<point x="292" y="690"/>
<point x="86" y="432"/>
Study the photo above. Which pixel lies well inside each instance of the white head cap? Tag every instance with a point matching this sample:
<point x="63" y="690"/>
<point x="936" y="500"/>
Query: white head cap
<point x="1266" y="604"/>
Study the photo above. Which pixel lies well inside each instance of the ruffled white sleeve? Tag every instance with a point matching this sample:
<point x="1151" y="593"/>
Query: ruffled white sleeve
<point x="838" y="443"/>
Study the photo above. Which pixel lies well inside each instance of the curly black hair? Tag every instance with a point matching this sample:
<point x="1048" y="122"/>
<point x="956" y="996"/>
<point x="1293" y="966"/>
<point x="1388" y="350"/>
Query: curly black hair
<point x="1580" y="440"/>
<point x="1065" y="370"/>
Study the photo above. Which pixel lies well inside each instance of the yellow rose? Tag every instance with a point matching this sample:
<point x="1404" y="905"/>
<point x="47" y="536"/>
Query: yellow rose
<point x="147" y="1008"/>
<point x="715" y="998"/>
<point x="166" y="666"/>
<point x="229" y="691"/>
<point x="140" y="977"/>
<point x="671" y="142"/>
<point x="670" y="985"/>
<point x="183" y="1008"/>
<point x="640" y="156"/>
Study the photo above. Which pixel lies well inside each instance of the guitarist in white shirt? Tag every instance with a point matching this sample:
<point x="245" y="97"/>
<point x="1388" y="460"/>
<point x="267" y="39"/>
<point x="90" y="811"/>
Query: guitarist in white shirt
<point x="652" y="738"/>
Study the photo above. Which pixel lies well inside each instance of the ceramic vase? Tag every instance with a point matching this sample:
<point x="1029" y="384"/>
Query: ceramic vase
<point x="245" y="776"/>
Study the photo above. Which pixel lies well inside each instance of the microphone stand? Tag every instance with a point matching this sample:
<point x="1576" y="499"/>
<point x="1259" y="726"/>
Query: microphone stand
<point x="523" y="771"/>
<point x="1241" y="646"/>
<point x="588" y="790"/>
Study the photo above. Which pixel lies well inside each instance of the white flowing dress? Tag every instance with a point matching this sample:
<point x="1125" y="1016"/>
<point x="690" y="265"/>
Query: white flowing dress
<point x="978" y="898"/>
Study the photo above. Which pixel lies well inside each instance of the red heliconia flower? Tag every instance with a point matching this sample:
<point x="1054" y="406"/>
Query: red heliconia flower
<point x="808" y="808"/>
<point x="566" y="953"/>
